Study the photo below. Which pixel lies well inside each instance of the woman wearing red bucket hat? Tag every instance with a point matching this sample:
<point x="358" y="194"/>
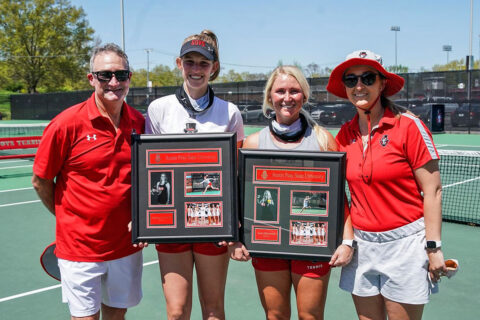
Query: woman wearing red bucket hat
<point x="394" y="181"/>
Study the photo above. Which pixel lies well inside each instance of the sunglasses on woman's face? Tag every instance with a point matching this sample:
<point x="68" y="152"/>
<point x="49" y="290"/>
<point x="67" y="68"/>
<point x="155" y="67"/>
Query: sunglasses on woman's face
<point x="106" y="76"/>
<point x="368" y="78"/>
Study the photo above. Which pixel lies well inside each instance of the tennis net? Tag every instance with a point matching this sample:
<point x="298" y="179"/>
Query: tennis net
<point x="460" y="173"/>
<point x="20" y="140"/>
<point x="22" y="130"/>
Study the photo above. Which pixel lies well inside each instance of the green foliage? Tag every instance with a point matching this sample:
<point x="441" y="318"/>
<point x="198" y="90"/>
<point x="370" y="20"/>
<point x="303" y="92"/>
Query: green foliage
<point x="455" y="65"/>
<point x="160" y="75"/>
<point x="398" y="69"/>
<point x="246" y="76"/>
<point x="232" y="76"/>
<point x="14" y="86"/>
<point x="5" y="105"/>
<point x="45" y="43"/>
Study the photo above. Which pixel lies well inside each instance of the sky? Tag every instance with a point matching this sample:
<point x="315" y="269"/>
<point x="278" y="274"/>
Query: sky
<point x="255" y="36"/>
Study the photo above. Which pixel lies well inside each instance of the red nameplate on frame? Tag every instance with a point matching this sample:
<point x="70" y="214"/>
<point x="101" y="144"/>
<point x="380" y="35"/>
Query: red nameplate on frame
<point x="184" y="157"/>
<point x="288" y="175"/>
<point x="266" y="234"/>
<point x="161" y="219"/>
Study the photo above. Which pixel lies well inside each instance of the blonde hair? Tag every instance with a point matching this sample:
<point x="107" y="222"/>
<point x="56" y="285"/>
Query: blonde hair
<point x="290" y="71"/>
<point x="296" y="73"/>
<point x="209" y="37"/>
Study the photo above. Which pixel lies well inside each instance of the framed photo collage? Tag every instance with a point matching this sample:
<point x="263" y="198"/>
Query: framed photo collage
<point x="185" y="189"/>
<point x="292" y="203"/>
<point x="182" y="193"/>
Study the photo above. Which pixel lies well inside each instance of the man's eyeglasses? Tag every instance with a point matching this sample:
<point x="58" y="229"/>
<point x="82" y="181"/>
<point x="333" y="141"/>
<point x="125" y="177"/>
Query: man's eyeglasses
<point x="106" y="76"/>
<point x="368" y="78"/>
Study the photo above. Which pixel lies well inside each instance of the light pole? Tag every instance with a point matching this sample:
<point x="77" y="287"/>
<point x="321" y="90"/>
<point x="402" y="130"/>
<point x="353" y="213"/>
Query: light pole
<point x="447" y="48"/>
<point x="149" y="84"/>
<point x="469" y="66"/>
<point x="123" y="31"/>
<point x="395" y="29"/>
<point x="122" y="25"/>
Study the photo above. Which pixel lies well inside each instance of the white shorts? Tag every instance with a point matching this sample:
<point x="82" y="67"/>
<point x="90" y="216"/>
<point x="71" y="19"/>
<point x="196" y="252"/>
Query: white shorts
<point x="393" y="263"/>
<point x="115" y="283"/>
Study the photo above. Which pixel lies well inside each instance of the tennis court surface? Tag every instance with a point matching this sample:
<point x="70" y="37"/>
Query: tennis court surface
<point x="26" y="292"/>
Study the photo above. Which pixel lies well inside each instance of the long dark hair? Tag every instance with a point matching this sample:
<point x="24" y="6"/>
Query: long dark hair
<point x="395" y="108"/>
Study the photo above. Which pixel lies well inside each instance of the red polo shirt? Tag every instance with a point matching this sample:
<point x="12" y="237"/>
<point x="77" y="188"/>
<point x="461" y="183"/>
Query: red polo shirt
<point x="91" y="163"/>
<point x="392" y="198"/>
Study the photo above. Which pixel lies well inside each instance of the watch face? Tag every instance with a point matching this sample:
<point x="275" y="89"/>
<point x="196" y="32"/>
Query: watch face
<point x="431" y="244"/>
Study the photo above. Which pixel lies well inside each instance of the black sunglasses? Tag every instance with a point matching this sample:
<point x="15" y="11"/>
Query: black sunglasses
<point x="105" y="76"/>
<point x="368" y="78"/>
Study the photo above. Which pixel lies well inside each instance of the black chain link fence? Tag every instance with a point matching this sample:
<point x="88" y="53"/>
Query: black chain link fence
<point x="421" y="91"/>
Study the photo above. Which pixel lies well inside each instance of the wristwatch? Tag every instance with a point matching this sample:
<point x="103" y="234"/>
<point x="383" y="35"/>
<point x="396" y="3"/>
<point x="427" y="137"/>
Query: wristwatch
<point x="433" y="245"/>
<point x="350" y="242"/>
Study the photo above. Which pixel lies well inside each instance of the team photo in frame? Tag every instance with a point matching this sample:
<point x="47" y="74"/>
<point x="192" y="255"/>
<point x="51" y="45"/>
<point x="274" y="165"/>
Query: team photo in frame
<point x="308" y="233"/>
<point x="306" y="194"/>
<point x="204" y="214"/>
<point x="184" y="188"/>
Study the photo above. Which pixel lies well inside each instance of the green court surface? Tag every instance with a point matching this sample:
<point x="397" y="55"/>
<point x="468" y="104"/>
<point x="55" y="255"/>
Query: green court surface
<point x="200" y="193"/>
<point x="22" y="121"/>
<point x="26" y="292"/>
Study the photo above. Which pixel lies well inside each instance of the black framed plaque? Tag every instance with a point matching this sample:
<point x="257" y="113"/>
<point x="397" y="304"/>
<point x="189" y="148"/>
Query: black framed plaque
<point x="184" y="188"/>
<point x="292" y="203"/>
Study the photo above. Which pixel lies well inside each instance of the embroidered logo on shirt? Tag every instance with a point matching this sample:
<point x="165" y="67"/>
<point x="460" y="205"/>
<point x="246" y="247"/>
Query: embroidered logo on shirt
<point x="93" y="137"/>
<point x="384" y="141"/>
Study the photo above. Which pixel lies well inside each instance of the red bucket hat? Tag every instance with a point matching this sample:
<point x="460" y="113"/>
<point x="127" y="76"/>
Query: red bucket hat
<point x="393" y="83"/>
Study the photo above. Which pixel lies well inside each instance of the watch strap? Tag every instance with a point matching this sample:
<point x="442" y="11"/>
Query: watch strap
<point x="350" y="242"/>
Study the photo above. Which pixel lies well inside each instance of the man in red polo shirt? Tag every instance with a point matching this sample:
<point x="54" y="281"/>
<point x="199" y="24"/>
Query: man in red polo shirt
<point x="82" y="175"/>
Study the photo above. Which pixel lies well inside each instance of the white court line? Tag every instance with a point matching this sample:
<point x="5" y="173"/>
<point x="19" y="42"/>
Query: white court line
<point x="27" y="166"/>
<point x="460" y="182"/>
<point x="455" y="145"/>
<point x="10" y="161"/>
<point x="17" y="203"/>
<point x="19" y="189"/>
<point x="29" y="293"/>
